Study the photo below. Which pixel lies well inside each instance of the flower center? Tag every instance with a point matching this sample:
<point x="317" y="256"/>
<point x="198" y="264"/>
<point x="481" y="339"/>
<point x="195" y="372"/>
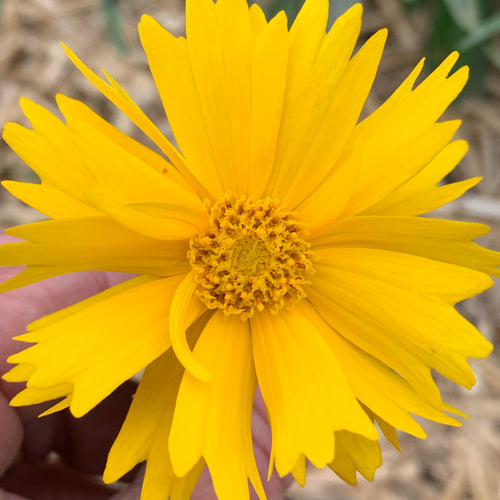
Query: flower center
<point x="252" y="257"/>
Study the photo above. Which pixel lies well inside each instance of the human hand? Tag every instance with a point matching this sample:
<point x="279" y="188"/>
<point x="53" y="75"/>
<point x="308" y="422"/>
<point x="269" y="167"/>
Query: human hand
<point x="28" y="466"/>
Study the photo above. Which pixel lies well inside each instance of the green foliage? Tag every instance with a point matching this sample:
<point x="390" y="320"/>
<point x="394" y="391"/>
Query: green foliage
<point x="292" y="7"/>
<point x="112" y="15"/>
<point x="468" y="26"/>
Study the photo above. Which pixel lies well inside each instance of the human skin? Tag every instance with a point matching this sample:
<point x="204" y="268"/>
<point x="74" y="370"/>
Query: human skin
<point x="81" y="444"/>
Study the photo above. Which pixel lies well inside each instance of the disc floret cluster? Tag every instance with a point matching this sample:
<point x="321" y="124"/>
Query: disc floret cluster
<point x="254" y="256"/>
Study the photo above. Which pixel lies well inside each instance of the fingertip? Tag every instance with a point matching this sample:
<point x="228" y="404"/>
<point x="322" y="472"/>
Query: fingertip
<point x="11" y="434"/>
<point x="5" y="495"/>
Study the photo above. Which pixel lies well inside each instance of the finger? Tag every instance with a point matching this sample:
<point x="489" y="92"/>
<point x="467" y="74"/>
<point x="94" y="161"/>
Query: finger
<point x="52" y="482"/>
<point x="83" y="444"/>
<point x="11" y="435"/>
<point x="22" y="306"/>
<point x="262" y="439"/>
<point x="5" y="495"/>
<point x="133" y="491"/>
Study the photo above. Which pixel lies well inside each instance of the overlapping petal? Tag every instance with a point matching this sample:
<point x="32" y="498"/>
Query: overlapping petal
<point x="315" y="129"/>
<point x="392" y="398"/>
<point x="52" y="153"/>
<point x="118" y="96"/>
<point x="216" y="415"/>
<point x="355" y="453"/>
<point x="305" y="389"/>
<point x="441" y="240"/>
<point x="144" y="434"/>
<point x="405" y="328"/>
<point x="57" y="247"/>
<point x="99" y="343"/>
<point x="389" y="147"/>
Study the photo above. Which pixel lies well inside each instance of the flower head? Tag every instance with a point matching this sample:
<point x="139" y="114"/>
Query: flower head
<point x="279" y="243"/>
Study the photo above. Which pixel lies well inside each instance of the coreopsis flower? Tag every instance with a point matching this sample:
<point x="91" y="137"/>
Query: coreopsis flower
<point x="279" y="242"/>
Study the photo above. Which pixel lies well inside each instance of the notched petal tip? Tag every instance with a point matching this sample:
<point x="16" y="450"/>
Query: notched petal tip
<point x="451" y="409"/>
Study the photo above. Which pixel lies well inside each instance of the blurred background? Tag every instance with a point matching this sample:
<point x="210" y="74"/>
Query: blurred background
<point x="452" y="464"/>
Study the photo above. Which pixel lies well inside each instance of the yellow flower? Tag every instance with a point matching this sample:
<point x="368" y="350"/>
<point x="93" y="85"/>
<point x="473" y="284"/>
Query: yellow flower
<point x="280" y="244"/>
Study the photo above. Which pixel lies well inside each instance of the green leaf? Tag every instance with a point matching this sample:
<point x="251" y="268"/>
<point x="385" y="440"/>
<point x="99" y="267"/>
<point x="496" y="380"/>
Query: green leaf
<point x="492" y="53"/>
<point x="291" y="8"/>
<point x="465" y="13"/>
<point x="111" y="12"/>
<point x="413" y="4"/>
<point x="337" y="8"/>
<point x="453" y="20"/>
<point x="482" y="32"/>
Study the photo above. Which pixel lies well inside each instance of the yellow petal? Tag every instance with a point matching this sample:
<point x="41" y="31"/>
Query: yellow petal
<point x="398" y="325"/>
<point x="434" y="279"/>
<point x="425" y="103"/>
<point x="345" y="97"/>
<point x="355" y="453"/>
<point x="402" y="163"/>
<point x="20" y="373"/>
<point x="391" y="397"/>
<point x="62" y="246"/>
<point x="389" y="432"/>
<point x="170" y="66"/>
<point x="257" y="18"/>
<point x="30" y="275"/>
<point x="35" y="395"/>
<point x="219" y="38"/>
<point x="49" y="150"/>
<point x="422" y="188"/>
<point x="75" y="112"/>
<point x="269" y="61"/>
<point x="144" y="434"/>
<point x="298" y="472"/>
<point x="400" y="137"/>
<point x="122" y="100"/>
<point x="183" y="302"/>
<point x="306" y="392"/>
<point x="414" y="155"/>
<point x="427" y="201"/>
<point x="212" y="106"/>
<point x="49" y="200"/>
<point x="62" y="405"/>
<point x="314" y="111"/>
<point x="213" y="419"/>
<point x="306" y="36"/>
<point x="123" y="176"/>
<point x="96" y="348"/>
<point x="354" y="329"/>
<point x="398" y="132"/>
<point x="443" y="240"/>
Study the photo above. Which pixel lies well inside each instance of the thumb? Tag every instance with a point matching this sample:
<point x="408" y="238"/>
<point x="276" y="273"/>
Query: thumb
<point x="11" y="436"/>
<point x="133" y="490"/>
<point x="5" y="495"/>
